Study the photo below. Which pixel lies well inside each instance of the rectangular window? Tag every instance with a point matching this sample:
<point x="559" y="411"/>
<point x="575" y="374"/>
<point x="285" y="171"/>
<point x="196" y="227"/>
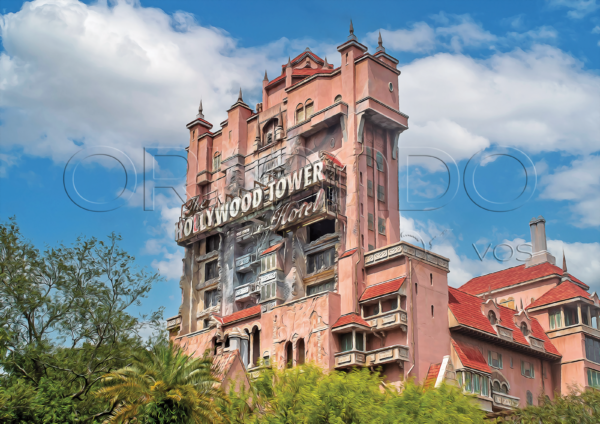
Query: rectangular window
<point x="571" y="316"/>
<point x="485" y="386"/>
<point x="379" y="159"/>
<point x="468" y="382"/>
<point x="511" y="362"/>
<point x="319" y="288"/>
<point x="369" y="157"/>
<point x="592" y="349"/>
<point x="380" y="193"/>
<point x="371" y="247"/>
<point x="210" y="270"/>
<point x="494" y="359"/>
<point x="527" y="369"/>
<point x="320" y="260"/>
<point x="371" y="222"/>
<point x="210" y="298"/>
<point x="584" y="315"/>
<point x="593" y="378"/>
<point x="212" y="243"/>
<point x="476" y="383"/>
<point x="555" y="319"/>
<point x="310" y="110"/>
<point x="217" y="162"/>
<point x="268" y="262"/>
<point x="381" y="226"/>
<point x="346" y="342"/>
<point x="358" y="342"/>
<point x="369" y="188"/>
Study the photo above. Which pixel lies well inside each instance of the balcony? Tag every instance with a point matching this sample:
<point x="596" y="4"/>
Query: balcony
<point x="245" y="292"/>
<point x="246" y="263"/>
<point x="173" y="322"/>
<point x="203" y="178"/>
<point x="505" y="401"/>
<point x="387" y="354"/>
<point x="389" y="321"/>
<point x="351" y="358"/>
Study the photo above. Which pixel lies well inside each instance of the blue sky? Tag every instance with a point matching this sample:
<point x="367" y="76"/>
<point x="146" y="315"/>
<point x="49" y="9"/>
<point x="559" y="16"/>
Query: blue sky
<point x="475" y="76"/>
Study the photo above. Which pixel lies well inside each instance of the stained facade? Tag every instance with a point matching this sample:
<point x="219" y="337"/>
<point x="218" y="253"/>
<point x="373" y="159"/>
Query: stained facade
<point x="292" y="240"/>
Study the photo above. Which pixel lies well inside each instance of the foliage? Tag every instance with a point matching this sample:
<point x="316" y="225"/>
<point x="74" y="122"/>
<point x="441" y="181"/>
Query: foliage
<point x="308" y="395"/>
<point x="577" y="407"/>
<point x="163" y="385"/>
<point x="65" y="318"/>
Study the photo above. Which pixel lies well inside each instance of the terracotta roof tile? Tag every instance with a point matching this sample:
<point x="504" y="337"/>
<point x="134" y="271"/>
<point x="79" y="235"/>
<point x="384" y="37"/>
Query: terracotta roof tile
<point x="509" y="277"/>
<point x="272" y="248"/>
<point x="432" y="375"/>
<point x="245" y="313"/>
<point x="538" y="332"/>
<point x="222" y="363"/>
<point x="351" y="318"/>
<point x="563" y="291"/>
<point x="348" y="253"/>
<point x="467" y="310"/>
<point x="382" y="289"/>
<point x="471" y="357"/>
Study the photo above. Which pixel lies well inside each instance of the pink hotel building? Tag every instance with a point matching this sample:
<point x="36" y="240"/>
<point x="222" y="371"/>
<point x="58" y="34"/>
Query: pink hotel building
<point x="291" y="231"/>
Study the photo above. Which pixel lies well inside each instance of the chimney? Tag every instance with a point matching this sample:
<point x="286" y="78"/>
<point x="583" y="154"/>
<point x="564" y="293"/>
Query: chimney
<point x="539" y="252"/>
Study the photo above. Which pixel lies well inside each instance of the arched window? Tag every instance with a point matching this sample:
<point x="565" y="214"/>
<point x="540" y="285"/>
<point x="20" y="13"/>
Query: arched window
<point x="308" y="109"/>
<point x="289" y="355"/>
<point x="524" y="329"/>
<point x="338" y="98"/>
<point x="255" y="346"/>
<point x="496" y="387"/>
<point x="301" y="351"/>
<point x="504" y="389"/>
<point x="299" y="113"/>
<point x="217" y="161"/>
<point x="492" y="317"/>
<point x="529" y="398"/>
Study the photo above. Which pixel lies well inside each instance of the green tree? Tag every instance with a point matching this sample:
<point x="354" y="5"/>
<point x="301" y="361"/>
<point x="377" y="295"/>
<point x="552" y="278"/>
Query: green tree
<point x="309" y="395"/>
<point x="164" y="385"/>
<point x="577" y="407"/>
<point x="65" y="316"/>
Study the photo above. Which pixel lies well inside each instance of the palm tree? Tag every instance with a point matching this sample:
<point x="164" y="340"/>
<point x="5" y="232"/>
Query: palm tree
<point x="163" y="385"/>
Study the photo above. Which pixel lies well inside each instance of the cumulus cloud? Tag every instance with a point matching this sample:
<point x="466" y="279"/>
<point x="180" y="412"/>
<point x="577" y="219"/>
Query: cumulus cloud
<point x="578" y="183"/>
<point x="578" y="8"/>
<point x="121" y="75"/>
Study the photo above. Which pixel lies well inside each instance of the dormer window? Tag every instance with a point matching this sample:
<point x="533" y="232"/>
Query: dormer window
<point x="524" y="329"/>
<point x="492" y="317"/>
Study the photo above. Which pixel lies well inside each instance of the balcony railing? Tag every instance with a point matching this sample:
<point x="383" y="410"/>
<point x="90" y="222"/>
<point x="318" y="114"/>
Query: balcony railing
<point x="351" y="358"/>
<point x="173" y="322"/>
<point x="505" y="401"/>
<point x="389" y="320"/>
<point x="246" y="291"/>
<point x="246" y="263"/>
<point x="387" y="354"/>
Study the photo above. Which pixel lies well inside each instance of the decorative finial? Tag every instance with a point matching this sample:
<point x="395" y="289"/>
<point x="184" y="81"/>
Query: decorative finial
<point x="240" y="96"/>
<point x="351" y="36"/>
<point x="380" y="47"/>
<point x="564" y="262"/>
<point x="289" y="64"/>
<point x="522" y="308"/>
<point x="308" y="49"/>
<point x="325" y="64"/>
<point x="200" y="114"/>
<point x="266" y="78"/>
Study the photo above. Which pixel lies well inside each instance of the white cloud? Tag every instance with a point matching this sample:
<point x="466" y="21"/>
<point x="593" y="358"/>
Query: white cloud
<point x="579" y="8"/>
<point x="120" y="75"/>
<point x="7" y="161"/>
<point x="578" y="183"/>
<point x="420" y="38"/>
<point x="583" y="260"/>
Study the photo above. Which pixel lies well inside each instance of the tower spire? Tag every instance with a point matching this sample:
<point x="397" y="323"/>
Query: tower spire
<point x="351" y="36"/>
<point x="325" y="64"/>
<point x="564" y="262"/>
<point x="240" y="96"/>
<point x="289" y="64"/>
<point x="200" y="114"/>
<point x="380" y="47"/>
<point x="266" y="78"/>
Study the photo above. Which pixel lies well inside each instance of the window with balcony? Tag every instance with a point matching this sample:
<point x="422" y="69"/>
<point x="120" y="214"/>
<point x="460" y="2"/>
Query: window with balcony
<point x="212" y="243"/>
<point x="379" y="161"/>
<point x="268" y="262"/>
<point x="381" y="226"/>
<point x="592" y="349"/>
<point x="369" y="157"/>
<point x="320" y="260"/>
<point x="370" y="247"/>
<point x="210" y="270"/>
<point x="216" y="161"/>
<point x="320" y="288"/>
<point x="210" y="298"/>
<point x="380" y="193"/>
<point x="527" y="369"/>
<point x="495" y="359"/>
<point x="593" y="378"/>
<point x="474" y="383"/>
<point x="346" y="342"/>
<point x="369" y="188"/>
<point x="555" y="319"/>
<point x="571" y="317"/>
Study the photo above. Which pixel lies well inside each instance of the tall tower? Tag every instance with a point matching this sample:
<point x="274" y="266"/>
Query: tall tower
<point x="292" y="229"/>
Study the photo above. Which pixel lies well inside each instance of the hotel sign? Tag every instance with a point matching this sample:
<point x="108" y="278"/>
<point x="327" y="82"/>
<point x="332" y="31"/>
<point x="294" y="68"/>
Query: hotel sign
<point x="219" y="215"/>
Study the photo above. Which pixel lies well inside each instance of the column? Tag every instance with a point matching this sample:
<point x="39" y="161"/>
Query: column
<point x="250" y="359"/>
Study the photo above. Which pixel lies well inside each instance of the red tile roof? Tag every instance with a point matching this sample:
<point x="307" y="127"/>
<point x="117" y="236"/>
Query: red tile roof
<point x="382" y="289"/>
<point x="432" y="375"/>
<point x="243" y="314"/>
<point x="351" y="318"/>
<point x="276" y="80"/>
<point x="471" y="357"/>
<point x="301" y="73"/>
<point x="509" y="277"/>
<point x="272" y="248"/>
<point x="348" y="253"/>
<point x="333" y="159"/>
<point x="467" y="310"/>
<point x="563" y="291"/>
<point x="222" y="363"/>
